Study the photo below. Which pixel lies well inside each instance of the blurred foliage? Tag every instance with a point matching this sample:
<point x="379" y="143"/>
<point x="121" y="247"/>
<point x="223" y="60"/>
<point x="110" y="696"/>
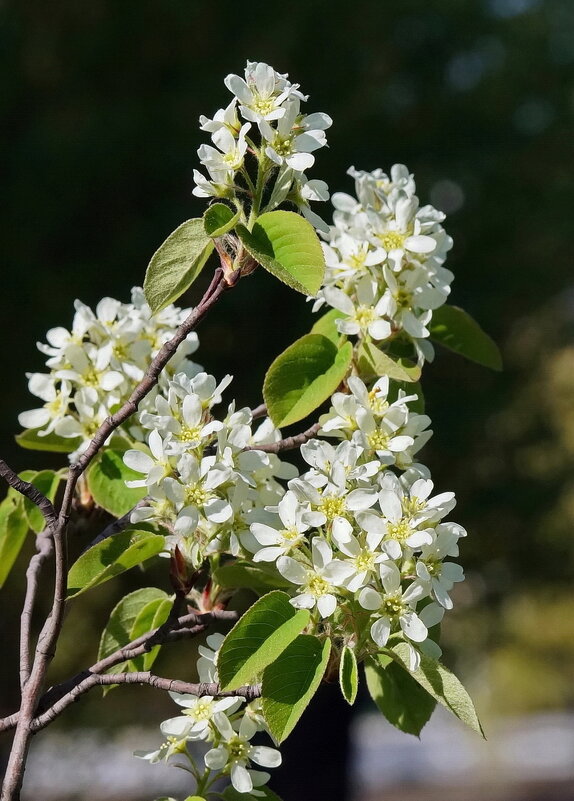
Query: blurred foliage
<point x="100" y="102"/>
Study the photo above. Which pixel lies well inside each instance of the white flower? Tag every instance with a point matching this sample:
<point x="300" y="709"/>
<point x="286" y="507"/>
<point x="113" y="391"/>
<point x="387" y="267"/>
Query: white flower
<point x="262" y="93"/>
<point x="287" y="144"/>
<point x="278" y="542"/>
<point x="199" y="712"/>
<point x="365" y="317"/>
<point x="394" y="608"/>
<point x="318" y="581"/>
<point x="230" y="153"/>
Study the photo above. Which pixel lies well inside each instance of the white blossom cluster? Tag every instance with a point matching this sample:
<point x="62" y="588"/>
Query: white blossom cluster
<point x="226" y="724"/>
<point x="351" y="534"/>
<point x="264" y="103"/>
<point x="385" y="257"/>
<point x="206" y="481"/>
<point x="95" y="366"/>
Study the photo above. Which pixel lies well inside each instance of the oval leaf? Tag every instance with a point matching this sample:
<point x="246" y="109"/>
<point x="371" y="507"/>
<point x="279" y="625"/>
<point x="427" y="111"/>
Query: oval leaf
<point x="256" y="640"/>
<point x="325" y="326"/>
<point x="258" y="578"/>
<point x="153" y="615"/>
<point x="456" y="330"/>
<point x="304" y="376"/>
<point x="219" y="219"/>
<point x="373" y="362"/>
<point x="286" y="245"/>
<point x="111" y="557"/>
<point x="13" y="530"/>
<point x="47" y="481"/>
<point x="398" y="695"/>
<point x="443" y="685"/>
<point x="32" y="441"/>
<point x="348" y="674"/>
<point x="107" y="478"/>
<point x="176" y="264"/>
<point x="291" y="681"/>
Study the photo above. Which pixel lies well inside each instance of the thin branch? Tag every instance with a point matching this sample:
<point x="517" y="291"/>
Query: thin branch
<point x="144" y="677"/>
<point x="30" y="492"/>
<point x="259" y="411"/>
<point x="289" y="443"/>
<point x="44" y="549"/>
<point x="116" y="526"/>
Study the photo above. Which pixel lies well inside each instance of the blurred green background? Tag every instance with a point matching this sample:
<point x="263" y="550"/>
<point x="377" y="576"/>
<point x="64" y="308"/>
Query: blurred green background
<point x="100" y="102"/>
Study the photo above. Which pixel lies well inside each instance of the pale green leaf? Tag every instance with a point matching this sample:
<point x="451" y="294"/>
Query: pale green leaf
<point x="117" y="632"/>
<point x="373" y="362"/>
<point x="32" y="441"/>
<point x="443" y="685"/>
<point x="348" y="674"/>
<point x="111" y="557"/>
<point x="107" y="477"/>
<point x="399" y="697"/>
<point x="13" y="530"/>
<point x="153" y="615"/>
<point x="218" y="219"/>
<point x="176" y="264"/>
<point x="258" y="638"/>
<point x="286" y="245"/>
<point x="291" y="681"/>
<point x="456" y="330"/>
<point x="47" y="481"/>
<point x="325" y="326"/>
<point x="304" y="376"/>
<point x="264" y="793"/>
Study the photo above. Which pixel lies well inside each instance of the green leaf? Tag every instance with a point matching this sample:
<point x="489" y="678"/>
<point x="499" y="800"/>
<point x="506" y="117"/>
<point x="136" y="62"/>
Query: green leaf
<point x="111" y="557"/>
<point x="13" y="530"/>
<point x="325" y="326"/>
<point x="259" y="578"/>
<point x="456" y="330"/>
<point x="304" y="376"/>
<point x="32" y="441"/>
<point x="286" y="245"/>
<point x="47" y="481"/>
<point x="348" y="674"/>
<point x="373" y="362"/>
<point x="106" y="481"/>
<point x="263" y="794"/>
<point x="443" y="686"/>
<point x="258" y="638"/>
<point x="399" y="697"/>
<point x="150" y="617"/>
<point x="218" y="219"/>
<point x="176" y="264"/>
<point x="291" y="681"/>
<point x="118" y="630"/>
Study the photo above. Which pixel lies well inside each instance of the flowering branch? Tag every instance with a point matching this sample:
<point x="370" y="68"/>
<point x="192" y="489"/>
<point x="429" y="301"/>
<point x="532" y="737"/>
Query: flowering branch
<point x="289" y="443"/>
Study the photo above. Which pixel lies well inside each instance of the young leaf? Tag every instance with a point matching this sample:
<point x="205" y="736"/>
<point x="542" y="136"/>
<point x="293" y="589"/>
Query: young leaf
<point x="32" y="441"/>
<point x="348" y="674"/>
<point x="443" y="685"/>
<point x="13" y="530"/>
<point x="291" y="681"/>
<point x="286" y="245"/>
<point x="325" y="326"/>
<point x="47" y="482"/>
<point x="118" y="630"/>
<point x="456" y="330"/>
<point x="176" y="264"/>
<point x="258" y="638"/>
<point x="107" y="478"/>
<point x="263" y="794"/>
<point x="373" y="362"/>
<point x="149" y="618"/>
<point x="111" y="557"/>
<point x="304" y="376"/>
<point x="218" y="219"/>
<point x="399" y="697"/>
<point x="260" y="578"/>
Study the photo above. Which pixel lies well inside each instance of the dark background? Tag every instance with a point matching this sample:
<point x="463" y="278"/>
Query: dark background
<point x="99" y="104"/>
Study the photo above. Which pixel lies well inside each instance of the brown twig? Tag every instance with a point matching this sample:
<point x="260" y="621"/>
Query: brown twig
<point x="289" y="443"/>
<point x="30" y="492"/>
<point x="259" y="411"/>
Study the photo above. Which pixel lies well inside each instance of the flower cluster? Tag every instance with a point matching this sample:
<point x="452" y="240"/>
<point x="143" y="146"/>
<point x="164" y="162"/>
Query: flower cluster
<point x="267" y="104"/>
<point x="227" y="724"/>
<point x="206" y="481"/>
<point x="95" y="366"/>
<point x="385" y="257"/>
<point x="367" y="549"/>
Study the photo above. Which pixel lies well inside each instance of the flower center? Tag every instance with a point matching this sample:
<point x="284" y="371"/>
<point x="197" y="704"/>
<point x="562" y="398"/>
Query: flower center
<point x="317" y="585"/>
<point x="201" y="711"/>
<point x="120" y="351"/>
<point x="365" y="315"/>
<point x="238" y="749"/>
<point x="264" y="105"/>
<point x="91" y="378"/>
<point x="189" y="434"/>
<point x="283" y="146"/>
<point x="378" y="440"/>
<point x="332" y="507"/>
<point x="196" y="494"/>
<point x="412" y="505"/>
<point x="57" y="405"/>
<point x="393" y="605"/>
<point x="392" y="240"/>
<point x="291" y="535"/>
<point x="377" y="402"/>
<point x="365" y="561"/>
<point x="399" y="531"/>
<point x="403" y="298"/>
